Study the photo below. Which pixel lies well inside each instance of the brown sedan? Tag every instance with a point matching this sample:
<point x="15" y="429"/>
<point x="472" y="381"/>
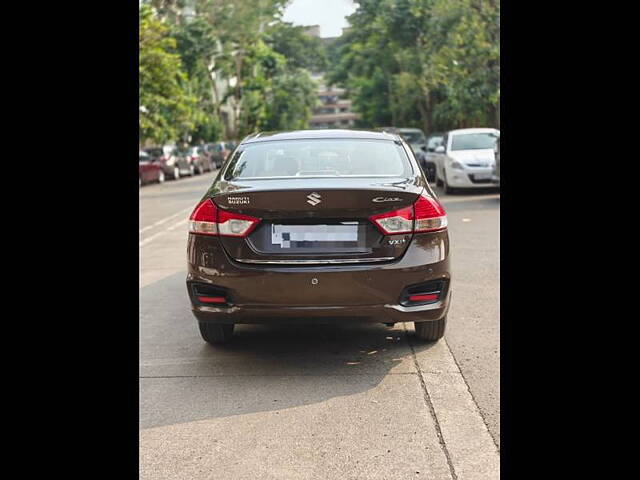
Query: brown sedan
<point x="319" y="226"/>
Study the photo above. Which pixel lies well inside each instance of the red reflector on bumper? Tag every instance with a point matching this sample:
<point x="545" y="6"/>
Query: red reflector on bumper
<point x="423" y="298"/>
<point x="212" y="299"/>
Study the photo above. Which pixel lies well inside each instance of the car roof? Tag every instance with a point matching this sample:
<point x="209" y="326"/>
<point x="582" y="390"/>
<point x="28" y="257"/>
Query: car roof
<point x="473" y="130"/>
<point x="315" y="134"/>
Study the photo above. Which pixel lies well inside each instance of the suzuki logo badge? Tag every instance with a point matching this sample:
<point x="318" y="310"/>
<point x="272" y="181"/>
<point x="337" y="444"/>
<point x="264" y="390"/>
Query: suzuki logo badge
<point x="314" y="199"/>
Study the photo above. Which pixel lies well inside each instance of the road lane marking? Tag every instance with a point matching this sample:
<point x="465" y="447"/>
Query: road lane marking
<point x="166" y="230"/>
<point x="165" y="220"/>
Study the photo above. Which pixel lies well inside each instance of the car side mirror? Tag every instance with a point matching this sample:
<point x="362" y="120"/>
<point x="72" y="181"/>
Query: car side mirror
<point x="424" y="148"/>
<point x="439" y="149"/>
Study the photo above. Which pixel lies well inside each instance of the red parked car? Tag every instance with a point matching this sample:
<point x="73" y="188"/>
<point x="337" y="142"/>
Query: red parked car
<point x="148" y="171"/>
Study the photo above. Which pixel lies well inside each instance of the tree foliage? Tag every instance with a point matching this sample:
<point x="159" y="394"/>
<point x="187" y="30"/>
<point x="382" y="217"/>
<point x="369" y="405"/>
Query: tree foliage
<point x="166" y="107"/>
<point x="428" y="63"/>
<point x="237" y="56"/>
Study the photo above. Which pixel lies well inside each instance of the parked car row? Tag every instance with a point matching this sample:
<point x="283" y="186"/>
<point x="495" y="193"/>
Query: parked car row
<point x="172" y="162"/>
<point x="457" y="159"/>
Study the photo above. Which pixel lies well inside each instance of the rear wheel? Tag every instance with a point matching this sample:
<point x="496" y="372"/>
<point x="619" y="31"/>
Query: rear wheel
<point x="216" y="332"/>
<point x="430" y="331"/>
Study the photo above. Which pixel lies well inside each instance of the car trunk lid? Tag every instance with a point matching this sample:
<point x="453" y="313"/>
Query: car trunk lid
<point x="316" y="221"/>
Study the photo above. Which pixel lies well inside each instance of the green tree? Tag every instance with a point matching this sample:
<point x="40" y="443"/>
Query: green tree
<point x="165" y="106"/>
<point x="428" y="63"/>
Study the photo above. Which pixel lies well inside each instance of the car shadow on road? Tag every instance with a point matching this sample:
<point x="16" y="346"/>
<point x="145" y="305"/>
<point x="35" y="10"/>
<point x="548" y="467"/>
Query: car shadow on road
<point x="264" y="368"/>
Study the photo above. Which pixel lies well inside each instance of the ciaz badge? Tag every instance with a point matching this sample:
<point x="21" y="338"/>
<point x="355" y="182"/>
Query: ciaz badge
<point x="386" y="199"/>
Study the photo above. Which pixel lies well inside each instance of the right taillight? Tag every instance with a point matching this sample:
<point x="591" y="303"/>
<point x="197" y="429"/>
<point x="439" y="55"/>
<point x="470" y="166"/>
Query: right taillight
<point x="208" y="219"/>
<point x="425" y="215"/>
<point x="429" y="215"/>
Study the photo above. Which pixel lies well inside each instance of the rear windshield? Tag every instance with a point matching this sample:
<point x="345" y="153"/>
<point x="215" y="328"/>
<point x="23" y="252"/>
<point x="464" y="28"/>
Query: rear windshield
<point x="413" y="136"/>
<point x="473" y="141"/>
<point x="154" y="152"/>
<point x="319" y="158"/>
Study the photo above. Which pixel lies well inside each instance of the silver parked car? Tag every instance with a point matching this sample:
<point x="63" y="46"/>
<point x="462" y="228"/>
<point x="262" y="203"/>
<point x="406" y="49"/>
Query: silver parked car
<point x="466" y="159"/>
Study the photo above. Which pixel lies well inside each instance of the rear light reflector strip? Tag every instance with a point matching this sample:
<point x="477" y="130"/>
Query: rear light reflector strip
<point x="426" y="297"/>
<point x="425" y="293"/>
<point x="205" y="294"/>
<point x="205" y="299"/>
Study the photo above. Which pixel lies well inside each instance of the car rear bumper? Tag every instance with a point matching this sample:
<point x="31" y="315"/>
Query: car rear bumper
<point x="319" y="294"/>
<point x="326" y="314"/>
<point x="466" y="178"/>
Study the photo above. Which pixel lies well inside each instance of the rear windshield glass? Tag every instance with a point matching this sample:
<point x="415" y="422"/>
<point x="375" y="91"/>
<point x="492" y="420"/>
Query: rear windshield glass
<point x="319" y="158"/>
<point x="473" y="141"/>
<point x="154" y="152"/>
<point x="413" y="137"/>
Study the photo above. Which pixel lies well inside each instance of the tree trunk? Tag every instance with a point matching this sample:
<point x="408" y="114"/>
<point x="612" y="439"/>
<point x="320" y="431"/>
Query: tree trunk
<point x="215" y="96"/>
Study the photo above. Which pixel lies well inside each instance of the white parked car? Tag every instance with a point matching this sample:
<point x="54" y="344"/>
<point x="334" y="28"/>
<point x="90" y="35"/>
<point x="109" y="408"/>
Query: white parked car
<point x="466" y="159"/>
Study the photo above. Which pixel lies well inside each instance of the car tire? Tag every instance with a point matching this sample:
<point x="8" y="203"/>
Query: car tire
<point x="214" y="333"/>
<point x="176" y="173"/>
<point x="447" y="189"/>
<point x="431" y="331"/>
<point x="161" y="177"/>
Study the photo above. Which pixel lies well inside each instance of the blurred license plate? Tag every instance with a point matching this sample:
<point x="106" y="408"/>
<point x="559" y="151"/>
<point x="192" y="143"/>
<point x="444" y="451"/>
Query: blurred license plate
<point x="482" y="176"/>
<point x="283" y="235"/>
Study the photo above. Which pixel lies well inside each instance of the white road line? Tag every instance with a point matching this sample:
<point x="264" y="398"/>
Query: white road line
<point x="166" y="230"/>
<point x="164" y="220"/>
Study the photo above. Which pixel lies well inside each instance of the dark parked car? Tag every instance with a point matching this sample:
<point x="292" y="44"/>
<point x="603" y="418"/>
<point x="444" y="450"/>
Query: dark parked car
<point x="148" y="171"/>
<point x="167" y="157"/>
<point x="319" y="225"/>
<point x="427" y="160"/>
<point x="207" y="159"/>
<point x="188" y="161"/>
<point x="199" y="160"/>
<point x="219" y="152"/>
<point x="418" y="143"/>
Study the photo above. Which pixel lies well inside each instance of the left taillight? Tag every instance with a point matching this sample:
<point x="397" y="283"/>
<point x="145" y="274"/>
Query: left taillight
<point x="209" y="219"/>
<point x="425" y="215"/>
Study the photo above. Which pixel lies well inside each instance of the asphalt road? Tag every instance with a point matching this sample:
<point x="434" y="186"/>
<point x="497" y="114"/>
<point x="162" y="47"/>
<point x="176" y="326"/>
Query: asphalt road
<point x="318" y="402"/>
